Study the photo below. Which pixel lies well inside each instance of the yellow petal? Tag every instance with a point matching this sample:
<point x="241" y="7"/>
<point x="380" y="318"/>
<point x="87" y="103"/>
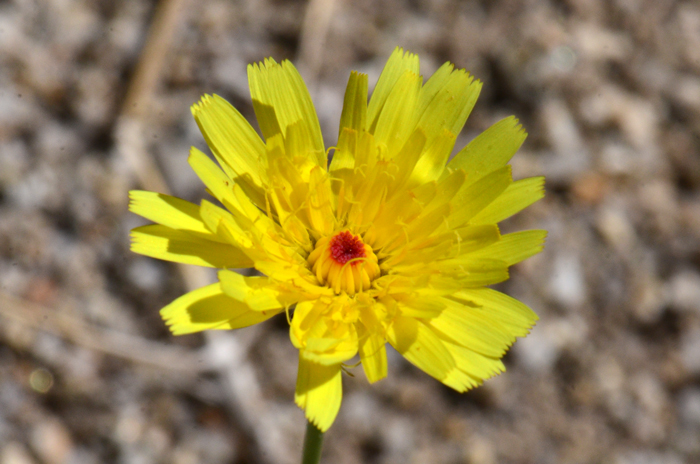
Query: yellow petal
<point x="428" y="222"/>
<point x="390" y="224"/>
<point x="420" y="346"/>
<point x="209" y="308"/>
<point x="434" y="85"/>
<point x="461" y="381"/>
<point x="366" y="153"/>
<point x="473" y="328"/>
<point x="327" y="347"/>
<point x="280" y="99"/>
<point x="513" y="248"/>
<point x="518" y="196"/>
<point x="226" y="191"/>
<point x="236" y="145"/>
<point x="218" y="183"/>
<point x="354" y="115"/>
<point x="398" y="116"/>
<point x="259" y="293"/>
<point x="318" y="329"/>
<point x="330" y="351"/>
<point x="162" y="242"/>
<point x="490" y="150"/>
<point x="407" y="158"/>
<point x="299" y="148"/>
<point x="470" y="273"/>
<point x="475" y="197"/>
<point x="373" y="355"/>
<point x="510" y="313"/>
<point x="319" y="392"/>
<point x="432" y="162"/>
<point x="408" y="258"/>
<point x="222" y="223"/>
<point x="306" y="314"/>
<point x="447" y="99"/>
<point x="475" y="364"/>
<point x="395" y="67"/>
<point x="344" y="157"/>
<point x="412" y="305"/>
<point x="464" y="240"/>
<point x="319" y="206"/>
<point x="168" y="211"/>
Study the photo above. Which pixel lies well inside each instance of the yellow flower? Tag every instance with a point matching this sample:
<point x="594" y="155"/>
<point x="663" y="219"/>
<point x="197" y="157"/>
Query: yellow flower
<point x="388" y="243"/>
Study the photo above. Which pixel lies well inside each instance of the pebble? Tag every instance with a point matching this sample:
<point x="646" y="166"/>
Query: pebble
<point x="362" y="413"/>
<point x="686" y="92"/>
<point x="688" y="405"/>
<point x="616" y="158"/>
<point x="591" y="188"/>
<point x="648" y="456"/>
<point x="690" y="350"/>
<point x="537" y="351"/>
<point x="572" y="156"/>
<point x="398" y="436"/>
<point x="14" y="162"/>
<point x="480" y="450"/>
<point x="146" y="274"/>
<point x="15" y="453"/>
<point x="593" y="42"/>
<point x="683" y="290"/>
<point x="58" y="143"/>
<point x="567" y="285"/>
<point x="610" y="96"/>
<point x="51" y="441"/>
<point x="94" y="101"/>
<point x="613" y="222"/>
<point x="636" y="119"/>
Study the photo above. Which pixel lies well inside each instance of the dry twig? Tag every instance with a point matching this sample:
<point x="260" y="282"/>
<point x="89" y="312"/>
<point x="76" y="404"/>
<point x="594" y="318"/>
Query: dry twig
<point x="229" y="354"/>
<point x="317" y="22"/>
<point x="129" y="347"/>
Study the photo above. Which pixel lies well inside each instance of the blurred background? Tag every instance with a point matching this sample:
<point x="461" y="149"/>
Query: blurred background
<point x="94" y="101"/>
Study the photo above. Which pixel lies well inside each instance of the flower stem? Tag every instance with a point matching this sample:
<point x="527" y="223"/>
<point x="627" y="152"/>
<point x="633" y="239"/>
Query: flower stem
<point x="312" y="445"/>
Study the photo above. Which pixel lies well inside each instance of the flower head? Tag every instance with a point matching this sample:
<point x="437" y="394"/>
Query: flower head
<point x="391" y="242"/>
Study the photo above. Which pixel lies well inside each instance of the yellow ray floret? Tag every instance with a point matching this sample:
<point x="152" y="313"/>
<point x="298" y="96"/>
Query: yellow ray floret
<point x="389" y="242"/>
<point x="319" y="391"/>
<point x="210" y="308"/>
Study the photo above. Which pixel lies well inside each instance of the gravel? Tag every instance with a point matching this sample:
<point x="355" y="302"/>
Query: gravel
<point x="609" y="92"/>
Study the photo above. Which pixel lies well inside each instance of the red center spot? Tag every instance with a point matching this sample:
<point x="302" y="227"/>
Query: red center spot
<point x="345" y="247"/>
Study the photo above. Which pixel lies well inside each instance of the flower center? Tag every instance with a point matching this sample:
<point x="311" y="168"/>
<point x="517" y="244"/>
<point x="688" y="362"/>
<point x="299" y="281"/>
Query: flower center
<point x="344" y="263"/>
<point x="345" y="247"/>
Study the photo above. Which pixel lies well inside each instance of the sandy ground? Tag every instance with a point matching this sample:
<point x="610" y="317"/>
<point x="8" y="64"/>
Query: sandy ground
<point x="610" y="94"/>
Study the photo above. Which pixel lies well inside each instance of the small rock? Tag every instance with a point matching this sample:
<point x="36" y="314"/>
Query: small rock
<point x="590" y="187"/>
<point x="572" y="156"/>
<point x="51" y="441"/>
<point x="683" y="290"/>
<point x="398" y="436"/>
<point x="688" y="405"/>
<point x="595" y="43"/>
<point x="615" y="226"/>
<point x="686" y="92"/>
<point x="567" y="285"/>
<point x="690" y="351"/>
<point x="617" y="158"/>
<point x="146" y="274"/>
<point x="537" y="351"/>
<point x="362" y="413"/>
<point x="481" y="451"/>
<point x="14" y="162"/>
<point x="15" y="453"/>
<point x="648" y="456"/>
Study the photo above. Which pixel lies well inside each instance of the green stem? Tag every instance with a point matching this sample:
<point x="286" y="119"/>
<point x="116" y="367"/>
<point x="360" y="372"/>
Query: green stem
<point x="312" y="445"/>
